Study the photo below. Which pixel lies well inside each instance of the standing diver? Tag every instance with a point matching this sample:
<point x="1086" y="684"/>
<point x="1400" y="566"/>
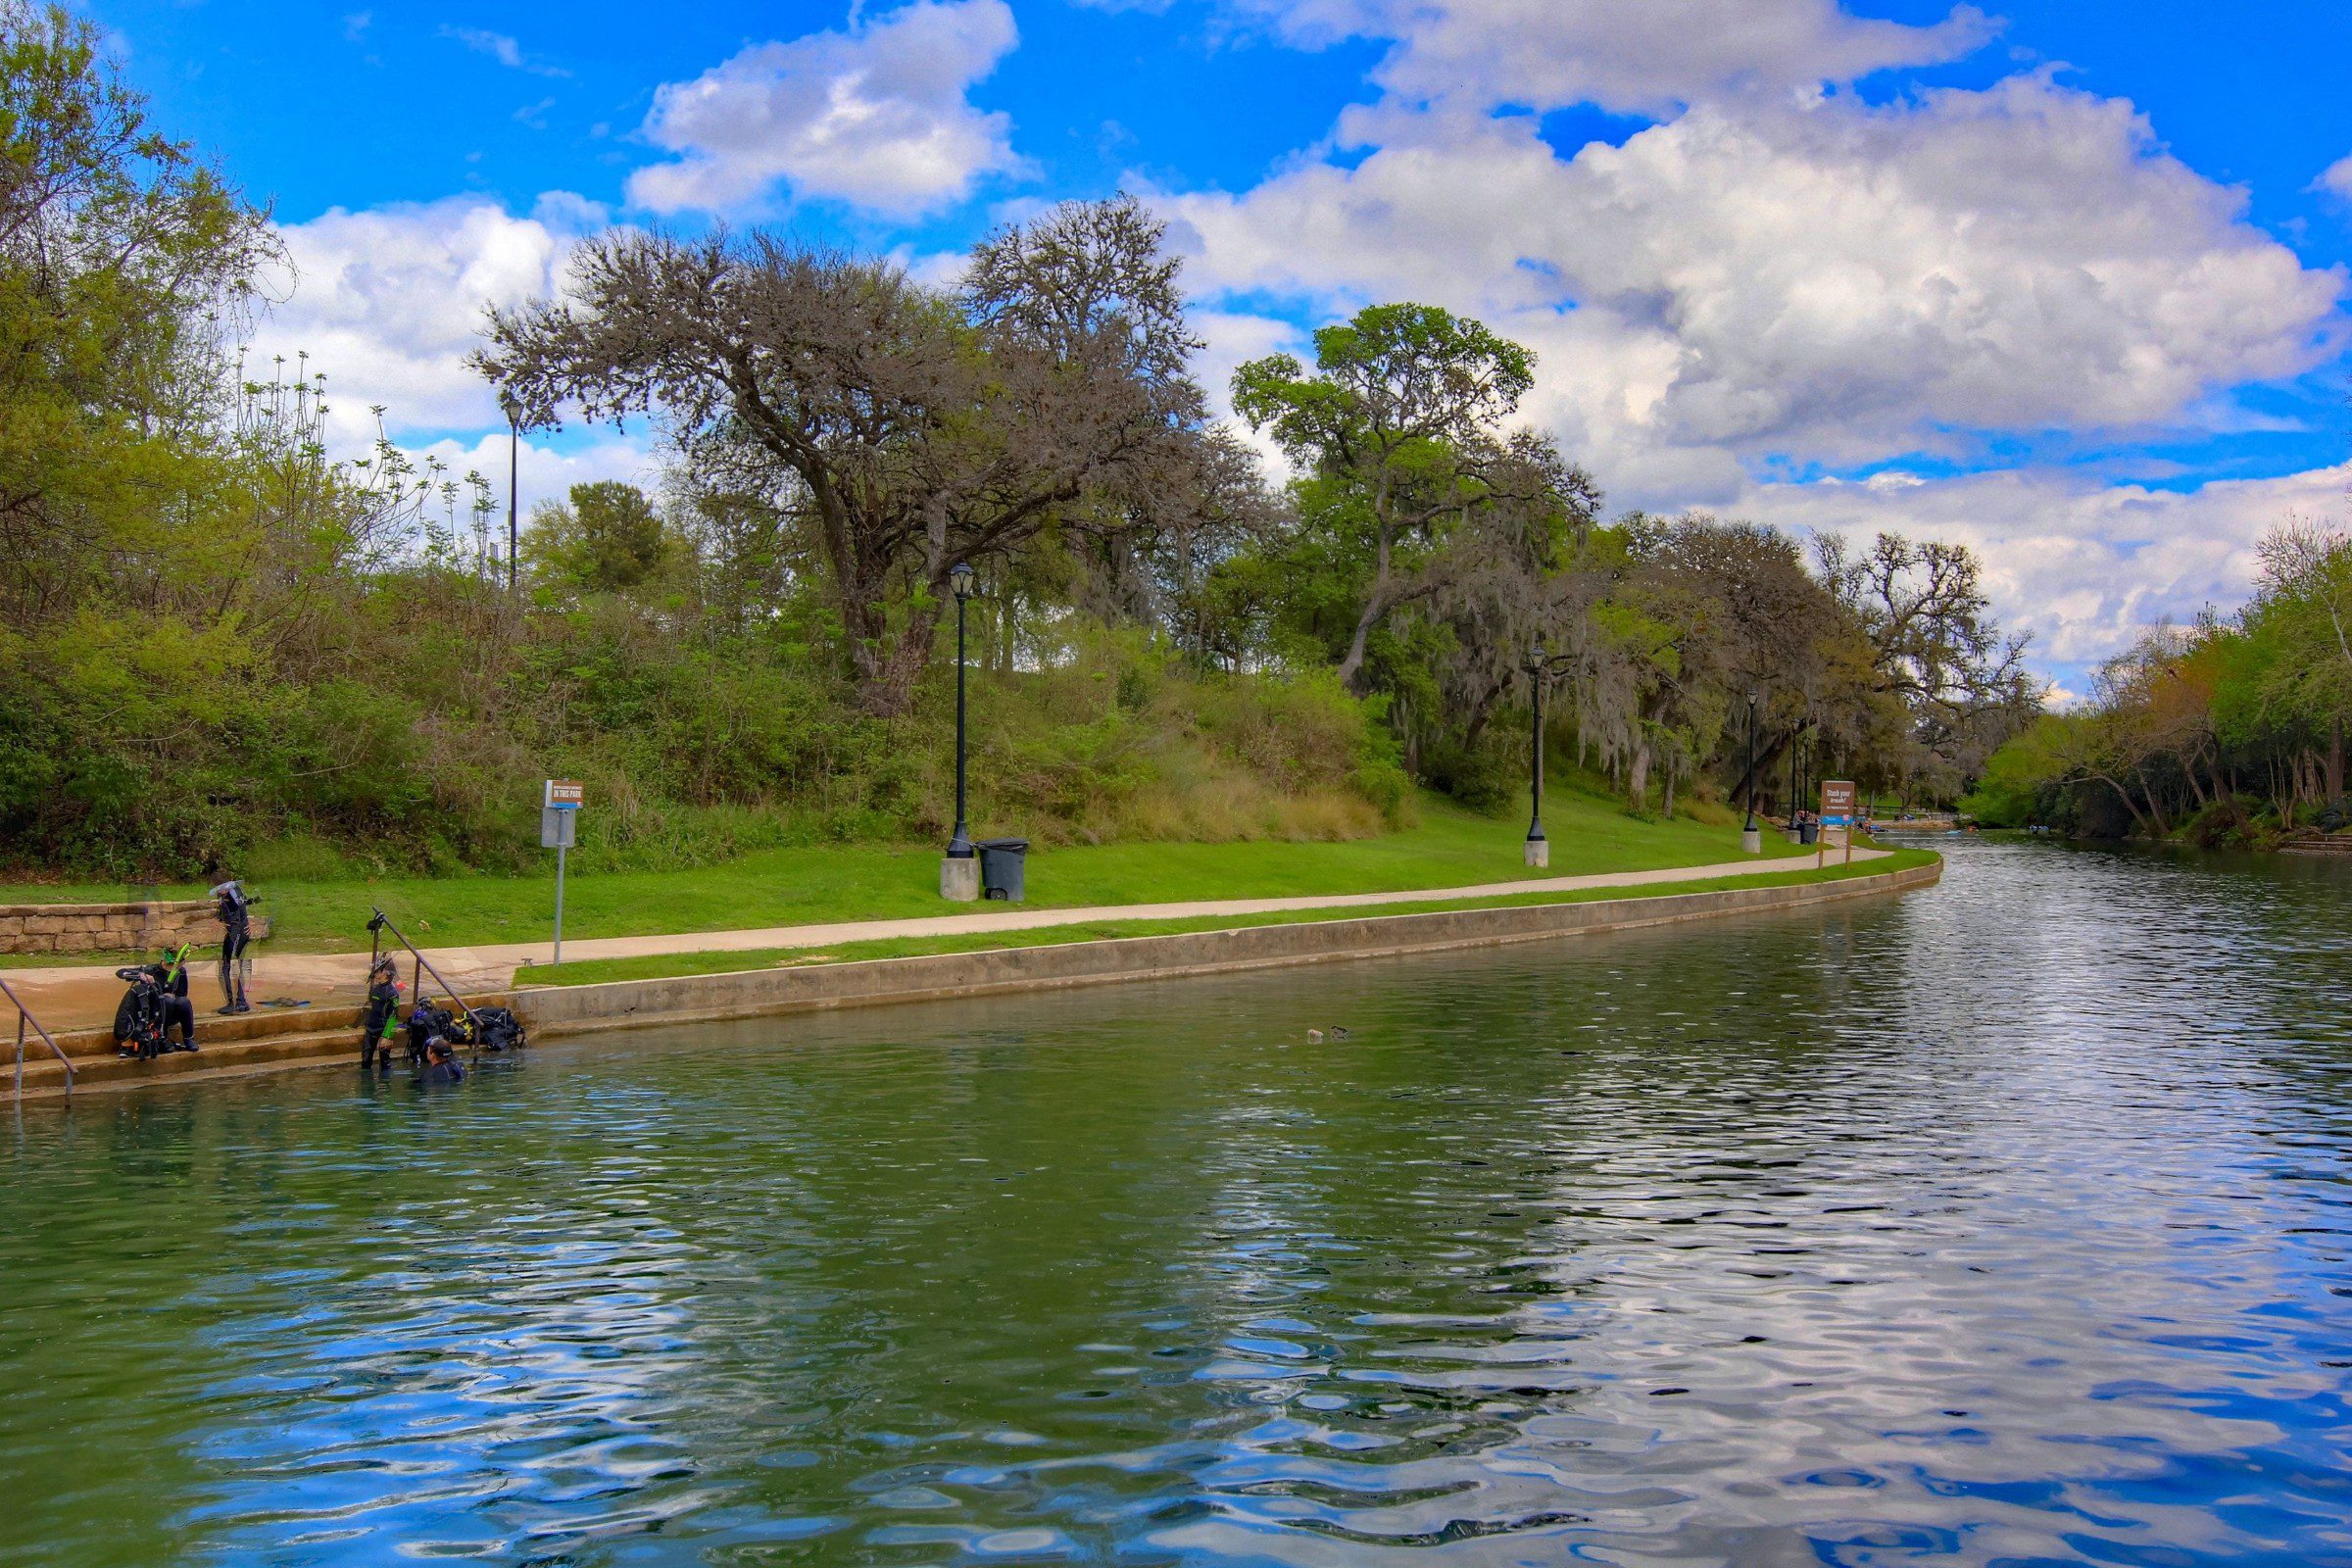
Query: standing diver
<point x="233" y="907"/>
<point x="383" y="1016"/>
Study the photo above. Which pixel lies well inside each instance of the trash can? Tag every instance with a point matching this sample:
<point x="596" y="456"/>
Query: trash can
<point x="1002" y="865"/>
<point x="1807" y="832"/>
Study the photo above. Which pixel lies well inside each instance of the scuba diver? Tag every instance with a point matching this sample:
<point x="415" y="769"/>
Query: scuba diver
<point x="382" y="1021"/>
<point x="233" y="907"/>
<point x="156" y="1001"/>
<point x="441" y="1064"/>
<point x="172" y="975"/>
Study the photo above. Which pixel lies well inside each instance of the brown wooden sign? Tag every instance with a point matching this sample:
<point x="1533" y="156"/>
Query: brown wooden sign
<point x="565" y="795"/>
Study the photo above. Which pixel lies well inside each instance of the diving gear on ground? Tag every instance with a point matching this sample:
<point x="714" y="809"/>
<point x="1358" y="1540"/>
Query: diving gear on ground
<point x="149" y="1012"/>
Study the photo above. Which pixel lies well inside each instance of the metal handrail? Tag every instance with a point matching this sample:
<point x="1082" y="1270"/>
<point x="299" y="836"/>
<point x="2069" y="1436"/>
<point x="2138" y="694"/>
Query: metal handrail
<point x="24" y="1016"/>
<point x="379" y="922"/>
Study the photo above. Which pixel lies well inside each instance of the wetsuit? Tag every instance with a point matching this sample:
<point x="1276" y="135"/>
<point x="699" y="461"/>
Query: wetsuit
<point x="177" y="1009"/>
<point x="378" y="1022"/>
<point x="235" y="913"/>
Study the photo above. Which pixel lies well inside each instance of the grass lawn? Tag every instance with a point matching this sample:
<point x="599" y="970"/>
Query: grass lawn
<point x="657" y="966"/>
<point x="1450" y="846"/>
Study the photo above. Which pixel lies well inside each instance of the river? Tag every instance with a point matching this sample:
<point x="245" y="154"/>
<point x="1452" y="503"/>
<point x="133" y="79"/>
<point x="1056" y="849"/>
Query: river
<point x="2004" y="1223"/>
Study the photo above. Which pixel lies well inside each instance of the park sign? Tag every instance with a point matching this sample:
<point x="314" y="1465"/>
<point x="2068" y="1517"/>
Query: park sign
<point x="1836" y="811"/>
<point x="559" y="821"/>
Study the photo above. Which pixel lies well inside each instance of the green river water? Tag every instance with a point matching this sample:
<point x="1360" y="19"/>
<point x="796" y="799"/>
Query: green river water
<point x="2004" y="1222"/>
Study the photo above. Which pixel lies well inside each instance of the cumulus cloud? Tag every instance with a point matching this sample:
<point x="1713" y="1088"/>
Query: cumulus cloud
<point x="2083" y="565"/>
<point x="388" y="301"/>
<point x="2337" y="178"/>
<point x="544" y="472"/>
<point x="1777" y="282"/>
<point x="877" y="116"/>
<point x="1644" y="58"/>
<point x="1828" y="278"/>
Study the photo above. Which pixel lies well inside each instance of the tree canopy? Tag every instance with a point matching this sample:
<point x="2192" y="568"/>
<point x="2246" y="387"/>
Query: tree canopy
<point x="221" y="634"/>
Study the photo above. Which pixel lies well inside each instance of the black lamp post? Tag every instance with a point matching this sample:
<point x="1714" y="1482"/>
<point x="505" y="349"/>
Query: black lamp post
<point x="1751" y="763"/>
<point x="960" y="580"/>
<point x="1796" y="744"/>
<point x="512" y="407"/>
<point x="1539" y="852"/>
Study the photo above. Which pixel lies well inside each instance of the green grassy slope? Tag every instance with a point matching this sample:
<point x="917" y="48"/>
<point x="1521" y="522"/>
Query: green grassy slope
<point x="1450" y="846"/>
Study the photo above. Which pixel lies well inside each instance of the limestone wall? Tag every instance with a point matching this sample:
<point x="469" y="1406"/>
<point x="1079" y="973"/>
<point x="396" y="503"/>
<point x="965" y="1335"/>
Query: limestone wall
<point x="568" y="1010"/>
<point x="112" y="927"/>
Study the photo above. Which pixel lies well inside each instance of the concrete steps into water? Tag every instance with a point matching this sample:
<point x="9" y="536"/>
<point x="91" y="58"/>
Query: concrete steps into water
<point x="266" y="1037"/>
<point x="2318" y="844"/>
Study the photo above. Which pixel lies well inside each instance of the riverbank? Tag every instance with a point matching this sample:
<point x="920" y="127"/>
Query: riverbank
<point x="1447" y="846"/>
<point x="1231" y="939"/>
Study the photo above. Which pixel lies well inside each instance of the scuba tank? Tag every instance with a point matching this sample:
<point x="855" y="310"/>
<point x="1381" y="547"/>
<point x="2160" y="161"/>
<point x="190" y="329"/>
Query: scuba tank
<point x="139" y="1019"/>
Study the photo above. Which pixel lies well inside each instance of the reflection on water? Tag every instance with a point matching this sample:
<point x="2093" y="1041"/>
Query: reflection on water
<point x="2001" y="1223"/>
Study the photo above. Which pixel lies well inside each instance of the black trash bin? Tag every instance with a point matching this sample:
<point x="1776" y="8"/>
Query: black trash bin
<point x="1807" y="832"/>
<point x="1001" y="866"/>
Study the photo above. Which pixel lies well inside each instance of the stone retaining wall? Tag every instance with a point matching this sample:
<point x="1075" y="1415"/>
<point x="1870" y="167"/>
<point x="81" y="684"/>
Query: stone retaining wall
<point x="112" y="927"/>
<point x="569" y="1009"/>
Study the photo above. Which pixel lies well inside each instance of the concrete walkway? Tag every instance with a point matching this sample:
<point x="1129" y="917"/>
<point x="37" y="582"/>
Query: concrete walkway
<point x="83" y="997"/>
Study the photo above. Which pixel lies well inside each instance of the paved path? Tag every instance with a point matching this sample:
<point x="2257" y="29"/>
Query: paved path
<point x="77" y="996"/>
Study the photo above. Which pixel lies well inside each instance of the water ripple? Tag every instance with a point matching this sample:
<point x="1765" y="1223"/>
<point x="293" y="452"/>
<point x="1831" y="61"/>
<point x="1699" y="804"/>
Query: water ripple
<point x="2002" y="1224"/>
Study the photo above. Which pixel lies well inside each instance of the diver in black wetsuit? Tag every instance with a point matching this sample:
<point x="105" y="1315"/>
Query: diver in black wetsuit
<point x="382" y="1017"/>
<point x="441" y="1063"/>
<point x="233" y="907"/>
<point x="172" y="975"/>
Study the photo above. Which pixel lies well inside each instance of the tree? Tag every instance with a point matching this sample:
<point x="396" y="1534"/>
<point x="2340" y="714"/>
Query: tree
<point x="122" y="259"/>
<point x="1935" y="649"/>
<point x="1397" y="433"/>
<point x="2304" y="609"/>
<point x="901" y="429"/>
<point x="609" y="539"/>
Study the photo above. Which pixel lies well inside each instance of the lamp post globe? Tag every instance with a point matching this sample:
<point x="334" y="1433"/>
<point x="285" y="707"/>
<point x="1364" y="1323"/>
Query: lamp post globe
<point x="960" y="582"/>
<point x="1539" y="849"/>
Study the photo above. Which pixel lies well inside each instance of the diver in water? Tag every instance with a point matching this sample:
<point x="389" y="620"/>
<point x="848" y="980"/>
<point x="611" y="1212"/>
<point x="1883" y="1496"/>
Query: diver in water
<point x="441" y="1063"/>
<point x="233" y="907"/>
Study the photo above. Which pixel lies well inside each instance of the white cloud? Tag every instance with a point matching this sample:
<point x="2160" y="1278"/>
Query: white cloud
<point x="876" y="117"/>
<point x="542" y="471"/>
<point x="2337" y="178"/>
<point x="388" y="302"/>
<point x="1789" y="279"/>
<point x="1631" y="55"/>
<point x="1228" y="340"/>
<point x="501" y="48"/>
<point x="1829" y="279"/>
<point x="2081" y="563"/>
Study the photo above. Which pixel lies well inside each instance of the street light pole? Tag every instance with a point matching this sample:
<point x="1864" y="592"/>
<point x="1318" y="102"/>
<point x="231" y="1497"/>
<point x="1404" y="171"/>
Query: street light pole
<point x="1796" y="743"/>
<point x="960" y="867"/>
<point x="513" y="412"/>
<point x="1751" y="837"/>
<point x="959" y="848"/>
<point x="1539" y="849"/>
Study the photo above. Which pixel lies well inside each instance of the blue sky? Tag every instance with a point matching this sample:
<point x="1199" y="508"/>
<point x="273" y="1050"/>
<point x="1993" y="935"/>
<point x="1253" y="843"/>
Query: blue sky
<point x="2064" y="281"/>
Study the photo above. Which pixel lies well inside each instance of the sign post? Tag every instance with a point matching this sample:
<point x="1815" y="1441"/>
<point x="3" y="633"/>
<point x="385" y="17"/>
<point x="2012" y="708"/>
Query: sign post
<point x="558" y="817"/>
<point x="1836" y="806"/>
